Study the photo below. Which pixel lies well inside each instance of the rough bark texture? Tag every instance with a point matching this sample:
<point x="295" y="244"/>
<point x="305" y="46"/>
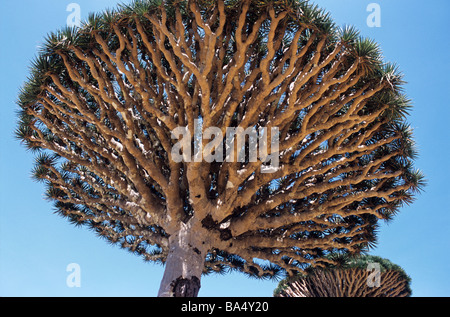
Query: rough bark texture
<point x="186" y="287"/>
<point x="103" y="101"/>
<point x="184" y="263"/>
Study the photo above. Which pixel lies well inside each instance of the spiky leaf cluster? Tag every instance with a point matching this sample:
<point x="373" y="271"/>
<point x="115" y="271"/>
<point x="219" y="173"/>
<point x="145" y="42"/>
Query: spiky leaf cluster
<point x="351" y="276"/>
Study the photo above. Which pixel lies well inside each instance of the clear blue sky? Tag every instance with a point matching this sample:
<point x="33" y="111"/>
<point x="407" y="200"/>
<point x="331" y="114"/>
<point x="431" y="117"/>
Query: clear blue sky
<point x="36" y="245"/>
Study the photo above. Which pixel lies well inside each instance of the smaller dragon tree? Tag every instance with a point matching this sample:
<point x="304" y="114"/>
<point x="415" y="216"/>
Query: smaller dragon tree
<point x="362" y="276"/>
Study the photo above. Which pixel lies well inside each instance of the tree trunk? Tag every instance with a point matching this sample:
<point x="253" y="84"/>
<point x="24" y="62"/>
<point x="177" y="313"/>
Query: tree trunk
<point x="184" y="263"/>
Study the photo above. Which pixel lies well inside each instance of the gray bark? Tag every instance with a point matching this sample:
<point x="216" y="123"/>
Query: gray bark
<point x="184" y="264"/>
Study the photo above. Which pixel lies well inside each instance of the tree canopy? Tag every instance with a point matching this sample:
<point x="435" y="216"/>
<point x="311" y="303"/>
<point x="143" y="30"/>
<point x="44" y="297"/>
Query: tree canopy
<point x="102" y="101"/>
<point x="351" y="277"/>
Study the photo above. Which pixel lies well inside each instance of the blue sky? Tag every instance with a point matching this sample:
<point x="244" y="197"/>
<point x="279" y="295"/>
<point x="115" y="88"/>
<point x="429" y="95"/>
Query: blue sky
<point x="36" y="246"/>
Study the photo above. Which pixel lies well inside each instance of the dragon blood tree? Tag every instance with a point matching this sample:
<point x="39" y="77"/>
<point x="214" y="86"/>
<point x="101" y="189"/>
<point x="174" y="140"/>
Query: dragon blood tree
<point x="105" y="104"/>
<point x="353" y="278"/>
